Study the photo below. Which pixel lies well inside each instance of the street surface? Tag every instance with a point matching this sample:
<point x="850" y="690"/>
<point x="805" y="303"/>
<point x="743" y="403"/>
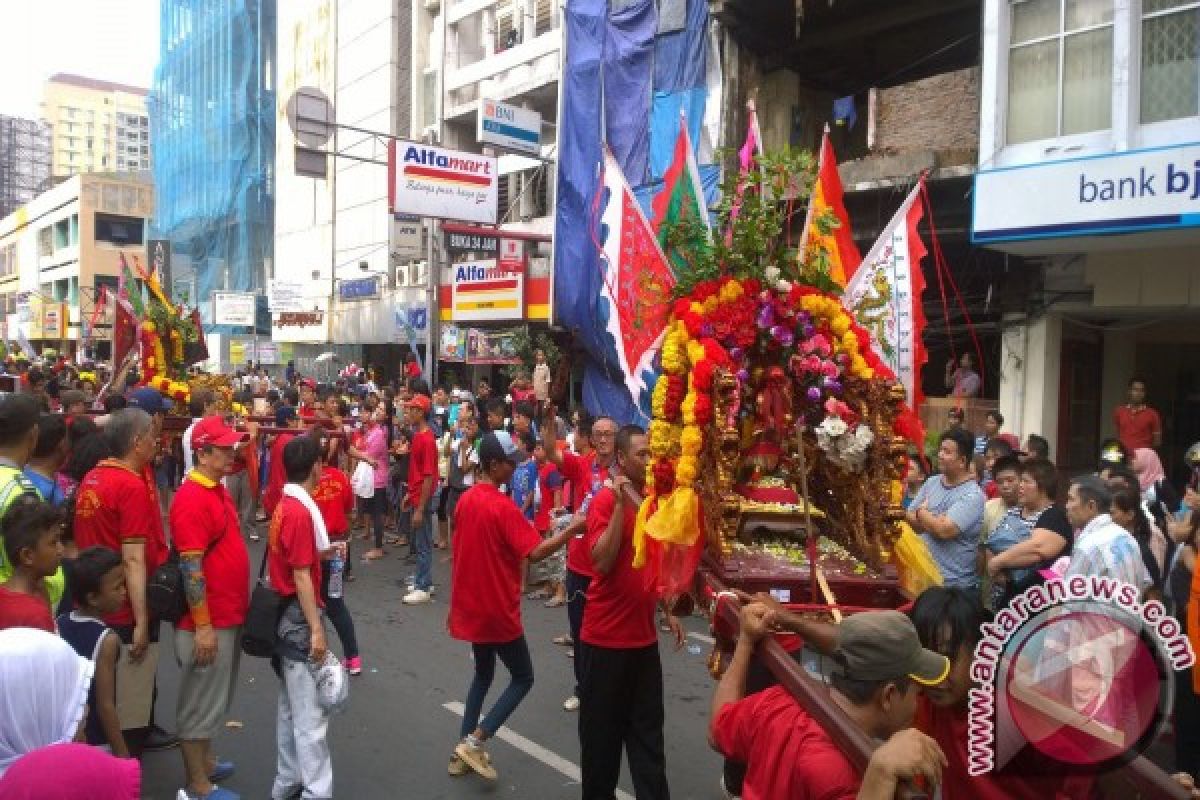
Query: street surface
<point x="395" y="739"/>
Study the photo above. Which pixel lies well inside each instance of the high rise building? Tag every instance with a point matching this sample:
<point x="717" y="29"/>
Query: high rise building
<point x="213" y="124"/>
<point x="96" y="126"/>
<point x="24" y="161"/>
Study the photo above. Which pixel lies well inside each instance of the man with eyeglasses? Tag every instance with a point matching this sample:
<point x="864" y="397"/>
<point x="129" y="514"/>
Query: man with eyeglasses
<point x="586" y="475"/>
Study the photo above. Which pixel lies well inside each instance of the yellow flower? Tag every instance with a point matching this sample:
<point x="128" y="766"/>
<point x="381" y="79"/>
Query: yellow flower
<point x="840" y="326"/>
<point x="691" y="441"/>
<point x="696" y="308"/>
<point x="688" y="407"/>
<point x="148" y="326"/>
<point x="695" y="352"/>
<point x="685" y="471"/>
<point x="710" y="305"/>
<point x="658" y="398"/>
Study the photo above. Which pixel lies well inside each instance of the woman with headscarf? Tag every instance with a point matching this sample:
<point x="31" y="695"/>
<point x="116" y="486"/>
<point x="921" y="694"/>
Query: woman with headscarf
<point x="1158" y="494"/>
<point x="45" y="696"/>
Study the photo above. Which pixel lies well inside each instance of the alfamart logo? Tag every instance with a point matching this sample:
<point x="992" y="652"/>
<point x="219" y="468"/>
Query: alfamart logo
<point x="1077" y="669"/>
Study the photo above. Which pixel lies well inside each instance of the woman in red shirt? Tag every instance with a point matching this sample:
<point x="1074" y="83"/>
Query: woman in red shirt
<point x="335" y="499"/>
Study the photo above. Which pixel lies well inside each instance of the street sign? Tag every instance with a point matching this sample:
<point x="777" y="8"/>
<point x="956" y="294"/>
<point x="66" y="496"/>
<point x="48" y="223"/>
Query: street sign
<point x="233" y="308"/>
<point x="407" y="240"/>
<point x="359" y="288"/>
<point x="310" y="116"/>
<point x="512" y="255"/>
<point x="446" y="184"/>
<point x="509" y="127"/>
<point x="286" y="296"/>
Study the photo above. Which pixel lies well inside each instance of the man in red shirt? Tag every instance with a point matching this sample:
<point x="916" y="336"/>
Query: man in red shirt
<point x="304" y="764"/>
<point x="788" y="755"/>
<point x="1137" y="424"/>
<point x="308" y="398"/>
<point x="492" y="541"/>
<point x="285" y="417"/>
<point x="621" y="690"/>
<point x="585" y="475"/>
<point x="422" y="477"/>
<point x="116" y="506"/>
<point x="216" y="573"/>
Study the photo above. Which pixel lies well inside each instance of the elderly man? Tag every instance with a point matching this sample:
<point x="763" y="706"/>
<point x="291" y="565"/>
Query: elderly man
<point x="216" y="571"/>
<point x="1102" y="547"/>
<point x="116" y="507"/>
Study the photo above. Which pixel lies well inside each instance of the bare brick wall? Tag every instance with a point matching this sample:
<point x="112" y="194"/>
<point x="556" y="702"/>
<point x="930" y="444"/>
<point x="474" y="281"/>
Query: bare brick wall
<point x="940" y="113"/>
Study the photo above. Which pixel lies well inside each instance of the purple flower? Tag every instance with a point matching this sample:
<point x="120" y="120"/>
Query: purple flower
<point x="706" y="329"/>
<point x="777" y="332"/>
<point x="743" y="376"/>
<point x="787" y="339"/>
<point x="766" y="318"/>
<point x="809" y="331"/>
<point x="813" y="394"/>
<point x="832" y="385"/>
<point x="737" y="353"/>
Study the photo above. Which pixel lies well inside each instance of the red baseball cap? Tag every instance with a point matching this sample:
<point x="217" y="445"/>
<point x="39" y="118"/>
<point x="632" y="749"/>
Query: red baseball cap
<point x="213" y="432"/>
<point x="419" y="401"/>
<point x="308" y="382"/>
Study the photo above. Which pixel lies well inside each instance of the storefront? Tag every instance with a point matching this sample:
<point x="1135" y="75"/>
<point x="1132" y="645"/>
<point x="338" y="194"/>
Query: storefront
<point x="1115" y="238"/>
<point x="493" y="296"/>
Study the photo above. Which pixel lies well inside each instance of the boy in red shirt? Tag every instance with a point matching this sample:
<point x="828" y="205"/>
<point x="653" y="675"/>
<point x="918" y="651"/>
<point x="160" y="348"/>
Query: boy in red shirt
<point x="33" y="547"/>
<point x="335" y="499"/>
<point x="621" y="690"/>
<point x="285" y="417"/>
<point x="491" y="543"/>
<point x="422" y="478"/>
<point x="788" y="755"/>
<point x="304" y="763"/>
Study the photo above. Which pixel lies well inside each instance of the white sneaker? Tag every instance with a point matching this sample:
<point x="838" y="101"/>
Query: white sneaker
<point x="477" y="759"/>
<point x="417" y="597"/>
<point x="571" y="703"/>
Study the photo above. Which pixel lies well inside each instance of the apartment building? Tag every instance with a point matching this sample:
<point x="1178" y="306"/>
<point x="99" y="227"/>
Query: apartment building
<point x="1089" y="163"/>
<point x="95" y="126"/>
<point x="58" y="251"/>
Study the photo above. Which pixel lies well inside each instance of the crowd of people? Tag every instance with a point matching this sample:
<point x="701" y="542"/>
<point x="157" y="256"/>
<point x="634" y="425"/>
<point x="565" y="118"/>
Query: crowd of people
<point x="102" y="545"/>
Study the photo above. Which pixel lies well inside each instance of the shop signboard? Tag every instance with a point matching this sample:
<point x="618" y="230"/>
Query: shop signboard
<point x="408" y="240"/>
<point x="512" y="255"/>
<point x="480" y="290"/>
<point x="359" y="288"/>
<point x="286" y="296"/>
<point x="492" y="347"/>
<point x="510" y="127"/>
<point x="447" y="184"/>
<point x="1138" y="190"/>
<point x="463" y="246"/>
<point x="233" y="308"/>
<point x="53" y="321"/>
<point x="268" y="353"/>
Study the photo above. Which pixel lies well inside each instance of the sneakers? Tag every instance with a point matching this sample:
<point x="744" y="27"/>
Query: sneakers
<point x="222" y="771"/>
<point x="457" y="766"/>
<point x="353" y="665"/>
<point x="217" y="793"/>
<point x="475" y="757"/>
<point x="158" y="739"/>
<point x="571" y="703"/>
<point x="418" y="597"/>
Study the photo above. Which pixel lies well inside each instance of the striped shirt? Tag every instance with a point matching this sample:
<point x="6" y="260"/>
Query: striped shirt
<point x="963" y="504"/>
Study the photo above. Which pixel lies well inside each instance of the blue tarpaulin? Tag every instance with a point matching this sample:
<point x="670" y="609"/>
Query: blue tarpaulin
<point x="628" y="65"/>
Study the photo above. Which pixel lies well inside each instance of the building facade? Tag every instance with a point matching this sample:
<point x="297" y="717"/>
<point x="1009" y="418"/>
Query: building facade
<point x="59" y="252"/>
<point x="24" y="161"/>
<point x="1088" y="169"/>
<point x="212" y="113"/>
<point x="96" y="126"/>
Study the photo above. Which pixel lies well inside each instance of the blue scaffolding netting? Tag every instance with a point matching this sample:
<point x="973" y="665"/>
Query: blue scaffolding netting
<point x="212" y="112"/>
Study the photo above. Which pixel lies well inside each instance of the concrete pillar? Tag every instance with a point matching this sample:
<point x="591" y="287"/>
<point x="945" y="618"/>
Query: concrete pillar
<point x="1030" y="363"/>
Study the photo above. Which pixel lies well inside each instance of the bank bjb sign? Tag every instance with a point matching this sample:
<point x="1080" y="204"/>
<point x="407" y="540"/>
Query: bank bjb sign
<point x="483" y="291"/>
<point x="1120" y="193"/>
<point x="448" y="184"/>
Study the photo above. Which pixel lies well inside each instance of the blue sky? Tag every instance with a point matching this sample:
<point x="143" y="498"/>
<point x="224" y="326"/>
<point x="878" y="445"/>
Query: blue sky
<point x="112" y="40"/>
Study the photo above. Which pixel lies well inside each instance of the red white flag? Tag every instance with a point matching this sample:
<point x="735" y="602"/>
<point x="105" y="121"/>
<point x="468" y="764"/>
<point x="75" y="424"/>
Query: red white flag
<point x="884" y="295"/>
<point x="838" y="244"/>
<point x="636" y="282"/>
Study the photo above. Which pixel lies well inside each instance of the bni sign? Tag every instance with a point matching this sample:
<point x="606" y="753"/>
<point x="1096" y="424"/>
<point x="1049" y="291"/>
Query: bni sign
<point x="509" y="127"/>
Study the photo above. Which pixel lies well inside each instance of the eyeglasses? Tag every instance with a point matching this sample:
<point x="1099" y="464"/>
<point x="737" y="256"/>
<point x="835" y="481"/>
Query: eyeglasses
<point x="603" y="434"/>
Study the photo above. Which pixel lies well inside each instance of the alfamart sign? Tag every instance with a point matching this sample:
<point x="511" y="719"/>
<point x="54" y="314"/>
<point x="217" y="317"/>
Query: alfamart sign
<point x="1140" y="190"/>
<point x="446" y="184"/>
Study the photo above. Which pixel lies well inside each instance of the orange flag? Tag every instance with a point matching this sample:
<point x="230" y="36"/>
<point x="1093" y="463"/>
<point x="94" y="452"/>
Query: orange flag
<point x="844" y="257"/>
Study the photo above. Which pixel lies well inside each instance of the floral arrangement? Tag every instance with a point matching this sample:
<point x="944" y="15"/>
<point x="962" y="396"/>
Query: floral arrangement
<point x="178" y="391"/>
<point x="842" y="438"/>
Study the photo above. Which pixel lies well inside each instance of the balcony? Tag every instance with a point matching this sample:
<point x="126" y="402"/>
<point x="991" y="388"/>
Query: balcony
<point x="516" y="71"/>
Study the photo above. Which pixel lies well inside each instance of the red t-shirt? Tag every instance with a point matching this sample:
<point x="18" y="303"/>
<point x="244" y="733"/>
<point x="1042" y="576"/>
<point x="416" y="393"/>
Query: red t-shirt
<point x="276" y="474"/>
<point x="203" y="515"/>
<point x="20" y="610"/>
<point x="292" y="545"/>
<point x="306" y="412"/>
<point x="586" y="477"/>
<point x="412" y="369"/>
<point x="335" y="498"/>
<point x="550" y="481"/>
<point x="114" y="505"/>
<point x="788" y="756"/>
<point x="491" y="539"/>
<point x="620" y="605"/>
<point x="1023" y="779"/>
<point x="1136" y="429"/>
<point x="422" y="463"/>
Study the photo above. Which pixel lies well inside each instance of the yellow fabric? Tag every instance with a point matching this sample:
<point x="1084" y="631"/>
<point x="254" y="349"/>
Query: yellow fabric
<point x="918" y="571"/>
<point x="639" y="533"/>
<point x="675" y="521"/>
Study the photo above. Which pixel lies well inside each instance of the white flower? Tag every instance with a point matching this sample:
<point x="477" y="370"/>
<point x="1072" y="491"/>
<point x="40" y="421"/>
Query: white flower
<point x="784" y="286"/>
<point x="836" y="426"/>
<point x="772" y="274"/>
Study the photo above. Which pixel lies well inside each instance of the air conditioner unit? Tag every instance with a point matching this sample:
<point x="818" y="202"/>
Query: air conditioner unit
<point x="419" y="274"/>
<point x="433" y="6"/>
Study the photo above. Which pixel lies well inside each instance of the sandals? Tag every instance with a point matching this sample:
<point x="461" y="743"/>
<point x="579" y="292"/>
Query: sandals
<point x="565" y="640"/>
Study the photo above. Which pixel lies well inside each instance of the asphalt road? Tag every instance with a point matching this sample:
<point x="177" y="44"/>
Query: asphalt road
<point x="396" y="737"/>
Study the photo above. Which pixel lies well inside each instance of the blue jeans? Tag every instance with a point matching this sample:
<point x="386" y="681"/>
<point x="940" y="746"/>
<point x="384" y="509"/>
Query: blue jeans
<point x="515" y="655"/>
<point x="422" y="536"/>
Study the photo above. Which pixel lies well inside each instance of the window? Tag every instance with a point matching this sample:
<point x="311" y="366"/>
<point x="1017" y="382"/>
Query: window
<point x="46" y="241"/>
<point x="1170" y="59"/>
<point x="8" y="260"/>
<point x="429" y="91"/>
<point x="62" y="234"/>
<point x="74" y="229"/>
<point x="118" y="229"/>
<point x="1059" y="69"/>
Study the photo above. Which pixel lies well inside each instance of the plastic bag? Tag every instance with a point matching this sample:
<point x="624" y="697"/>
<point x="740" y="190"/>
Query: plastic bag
<point x="362" y="482"/>
<point x="333" y="684"/>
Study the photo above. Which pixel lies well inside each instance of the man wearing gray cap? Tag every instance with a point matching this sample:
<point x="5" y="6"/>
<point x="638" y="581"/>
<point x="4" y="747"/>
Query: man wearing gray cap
<point x="879" y="667"/>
